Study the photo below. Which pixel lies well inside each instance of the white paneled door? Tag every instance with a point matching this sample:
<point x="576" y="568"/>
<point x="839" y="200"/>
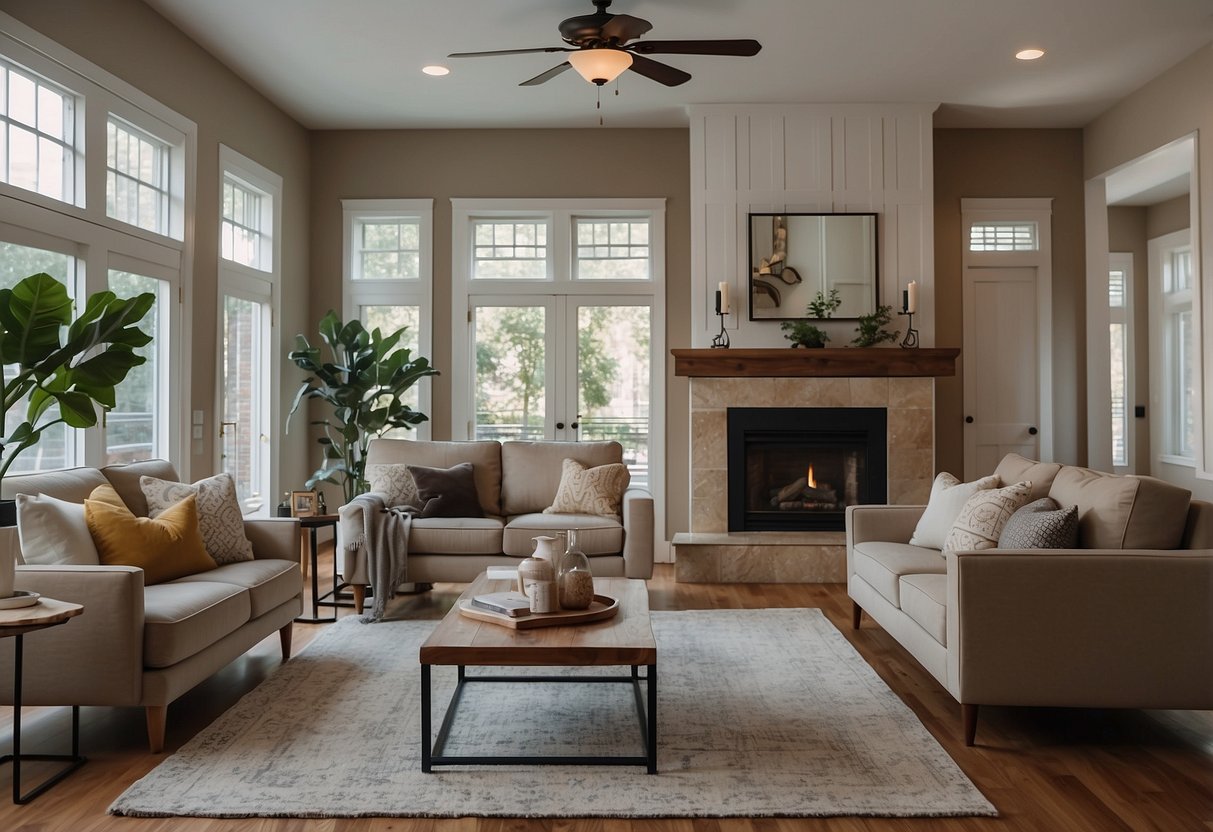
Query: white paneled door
<point x="1001" y="367"/>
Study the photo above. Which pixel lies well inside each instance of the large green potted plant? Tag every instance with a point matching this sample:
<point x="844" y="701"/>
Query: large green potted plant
<point x="61" y="370"/>
<point x="362" y="382"/>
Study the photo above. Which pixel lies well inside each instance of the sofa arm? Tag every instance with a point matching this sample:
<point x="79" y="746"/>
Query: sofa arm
<point x="638" y="533"/>
<point x="95" y="658"/>
<point x="1081" y="628"/>
<point x="889" y="524"/>
<point x="274" y="538"/>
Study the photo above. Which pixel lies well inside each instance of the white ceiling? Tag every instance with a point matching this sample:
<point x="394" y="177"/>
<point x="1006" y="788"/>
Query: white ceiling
<point x="356" y="63"/>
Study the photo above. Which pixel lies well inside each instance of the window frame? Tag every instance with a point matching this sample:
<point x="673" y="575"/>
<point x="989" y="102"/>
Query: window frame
<point x="1164" y="366"/>
<point x="359" y="292"/>
<point x="1123" y="315"/>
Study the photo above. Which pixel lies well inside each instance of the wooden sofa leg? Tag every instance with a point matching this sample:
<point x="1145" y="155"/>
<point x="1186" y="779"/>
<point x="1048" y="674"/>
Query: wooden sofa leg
<point x="856" y="615"/>
<point x="359" y="597"/>
<point x="969" y="715"/>
<point x="157" y="716"/>
<point x="284" y="636"/>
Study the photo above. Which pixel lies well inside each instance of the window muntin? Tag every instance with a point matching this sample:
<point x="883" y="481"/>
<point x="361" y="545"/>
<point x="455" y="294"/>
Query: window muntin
<point x="37" y="134"/>
<point x="137" y="177"/>
<point x="612" y="249"/>
<point x="134" y="427"/>
<point x="510" y="249"/>
<point x="243" y="233"/>
<point x="387" y="249"/>
<point x="1003" y="236"/>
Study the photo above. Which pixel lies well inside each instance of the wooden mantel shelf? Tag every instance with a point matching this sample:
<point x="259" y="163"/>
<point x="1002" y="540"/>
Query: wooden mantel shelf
<point x="853" y="362"/>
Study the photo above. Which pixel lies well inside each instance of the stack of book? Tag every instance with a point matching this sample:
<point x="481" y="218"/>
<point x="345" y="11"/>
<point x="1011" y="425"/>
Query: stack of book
<point x="513" y="604"/>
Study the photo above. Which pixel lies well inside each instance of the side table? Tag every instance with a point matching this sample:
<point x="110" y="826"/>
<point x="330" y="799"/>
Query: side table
<point x="16" y="623"/>
<point x="310" y="525"/>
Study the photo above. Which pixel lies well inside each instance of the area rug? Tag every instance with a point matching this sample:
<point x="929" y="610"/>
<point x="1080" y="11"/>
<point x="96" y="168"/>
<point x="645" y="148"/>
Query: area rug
<point x="760" y="713"/>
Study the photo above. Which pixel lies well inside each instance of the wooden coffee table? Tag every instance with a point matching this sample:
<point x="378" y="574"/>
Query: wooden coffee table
<point x="625" y="640"/>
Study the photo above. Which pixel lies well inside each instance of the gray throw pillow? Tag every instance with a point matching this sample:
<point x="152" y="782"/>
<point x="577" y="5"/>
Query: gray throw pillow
<point x="447" y="492"/>
<point x="1042" y="524"/>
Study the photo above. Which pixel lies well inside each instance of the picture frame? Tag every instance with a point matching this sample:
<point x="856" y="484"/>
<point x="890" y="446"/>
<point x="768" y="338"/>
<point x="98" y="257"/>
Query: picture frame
<point x="303" y="503"/>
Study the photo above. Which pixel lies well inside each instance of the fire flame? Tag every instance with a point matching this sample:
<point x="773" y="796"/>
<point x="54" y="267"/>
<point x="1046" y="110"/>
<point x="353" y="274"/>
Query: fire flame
<point x="812" y="480"/>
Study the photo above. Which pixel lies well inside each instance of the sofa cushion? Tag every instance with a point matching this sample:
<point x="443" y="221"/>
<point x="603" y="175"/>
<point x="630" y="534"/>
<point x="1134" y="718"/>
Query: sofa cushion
<point x="165" y="548"/>
<point x="394" y="483"/>
<point x="54" y="531"/>
<point x="1041" y="524"/>
<point x="219" y="517"/>
<point x="447" y="492"/>
<point x="924" y="598"/>
<point x="484" y="456"/>
<point x="1016" y="468"/>
<point x="71" y="484"/>
<point x="125" y="480"/>
<point x="1117" y="512"/>
<point x="531" y="471"/>
<point x="455" y="536"/>
<point x="883" y="564"/>
<point x="595" y="535"/>
<point x="983" y="517"/>
<point x="270" y="583"/>
<point x="948" y="497"/>
<point x="597" y="490"/>
<point x="180" y="619"/>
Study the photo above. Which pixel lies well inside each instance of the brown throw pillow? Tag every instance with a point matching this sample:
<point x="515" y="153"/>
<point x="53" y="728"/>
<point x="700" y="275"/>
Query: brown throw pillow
<point x="446" y="492"/>
<point x="165" y="548"/>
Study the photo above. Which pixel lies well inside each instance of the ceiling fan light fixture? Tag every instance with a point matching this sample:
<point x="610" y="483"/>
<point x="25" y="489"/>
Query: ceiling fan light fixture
<point x="600" y="65"/>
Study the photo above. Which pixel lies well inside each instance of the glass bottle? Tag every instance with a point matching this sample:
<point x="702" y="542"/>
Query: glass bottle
<point x="575" y="582"/>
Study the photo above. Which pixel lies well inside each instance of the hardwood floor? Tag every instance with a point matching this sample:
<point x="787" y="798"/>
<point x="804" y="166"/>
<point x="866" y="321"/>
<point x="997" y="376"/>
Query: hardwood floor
<point x="1047" y="770"/>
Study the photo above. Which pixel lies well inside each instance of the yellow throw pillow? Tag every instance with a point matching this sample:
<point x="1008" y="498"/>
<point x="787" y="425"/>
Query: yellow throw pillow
<point x="167" y="547"/>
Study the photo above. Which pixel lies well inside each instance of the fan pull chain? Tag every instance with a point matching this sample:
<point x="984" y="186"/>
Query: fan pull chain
<point x="598" y="105"/>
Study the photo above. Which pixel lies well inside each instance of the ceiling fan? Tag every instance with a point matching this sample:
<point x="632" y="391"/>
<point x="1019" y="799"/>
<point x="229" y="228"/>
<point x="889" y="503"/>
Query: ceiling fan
<point x="601" y="50"/>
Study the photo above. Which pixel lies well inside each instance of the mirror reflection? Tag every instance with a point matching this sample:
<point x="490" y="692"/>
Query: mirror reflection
<point x="795" y="256"/>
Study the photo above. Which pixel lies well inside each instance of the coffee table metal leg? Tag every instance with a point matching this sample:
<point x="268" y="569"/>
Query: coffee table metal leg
<point x="652" y="732"/>
<point x="425" y="718"/>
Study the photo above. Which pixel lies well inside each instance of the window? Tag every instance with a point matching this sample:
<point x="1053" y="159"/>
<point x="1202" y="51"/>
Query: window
<point x="135" y="428"/>
<point x="245" y="233"/>
<point x="1120" y="336"/>
<point x="137" y="180"/>
<point x="388" y="264"/>
<point x="37" y="139"/>
<point x="517" y="249"/>
<point x="1174" y="376"/>
<point x="1003" y="236"/>
<point x="613" y="249"/>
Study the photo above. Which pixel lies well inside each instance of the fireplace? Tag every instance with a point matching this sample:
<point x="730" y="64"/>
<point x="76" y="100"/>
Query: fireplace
<point x="798" y="468"/>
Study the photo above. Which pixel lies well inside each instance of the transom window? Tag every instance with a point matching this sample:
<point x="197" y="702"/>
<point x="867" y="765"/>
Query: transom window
<point x="513" y="249"/>
<point x="388" y="249"/>
<point x="137" y="182"/>
<point x="244" y="232"/>
<point x="1003" y="236"/>
<point x="612" y="249"/>
<point x="37" y="134"/>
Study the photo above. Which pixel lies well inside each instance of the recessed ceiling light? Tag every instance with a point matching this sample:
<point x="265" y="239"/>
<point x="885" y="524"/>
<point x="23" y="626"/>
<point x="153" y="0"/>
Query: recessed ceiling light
<point x="1029" y="54"/>
<point x="436" y="70"/>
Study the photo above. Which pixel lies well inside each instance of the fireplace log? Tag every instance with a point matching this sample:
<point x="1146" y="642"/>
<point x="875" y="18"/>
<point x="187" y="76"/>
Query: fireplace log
<point x="789" y="491"/>
<point x="820" y="495"/>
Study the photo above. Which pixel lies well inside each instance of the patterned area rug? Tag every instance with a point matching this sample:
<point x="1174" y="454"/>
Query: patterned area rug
<point x="761" y="713"/>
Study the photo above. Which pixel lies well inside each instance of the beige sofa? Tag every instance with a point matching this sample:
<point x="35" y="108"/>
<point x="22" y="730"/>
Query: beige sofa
<point x="1124" y="621"/>
<point x="515" y="482"/>
<point x="147" y="645"/>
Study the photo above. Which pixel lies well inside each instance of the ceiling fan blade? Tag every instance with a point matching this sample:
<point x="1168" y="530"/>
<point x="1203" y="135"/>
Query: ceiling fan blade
<point x="508" y="52"/>
<point x="659" y="72"/>
<point x="546" y="76"/>
<point x="624" y="27"/>
<point x="744" y="48"/>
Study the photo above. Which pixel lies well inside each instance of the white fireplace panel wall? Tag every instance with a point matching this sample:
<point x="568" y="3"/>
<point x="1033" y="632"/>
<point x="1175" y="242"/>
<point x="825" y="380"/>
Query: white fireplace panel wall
<point x="816" y="158"/>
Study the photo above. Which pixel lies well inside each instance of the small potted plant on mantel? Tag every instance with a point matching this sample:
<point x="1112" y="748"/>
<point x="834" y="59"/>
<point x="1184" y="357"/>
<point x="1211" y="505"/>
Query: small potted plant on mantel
<point x="804" y="334"/>
<point x="61" y="381"/>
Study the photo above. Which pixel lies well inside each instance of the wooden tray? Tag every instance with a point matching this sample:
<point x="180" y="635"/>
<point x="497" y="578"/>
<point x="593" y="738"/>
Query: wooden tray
<point x="600" y="609"/>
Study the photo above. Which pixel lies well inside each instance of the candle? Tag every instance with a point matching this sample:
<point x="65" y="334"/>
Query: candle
<point x="912" y="297"/>
<point x="724" y="298"/>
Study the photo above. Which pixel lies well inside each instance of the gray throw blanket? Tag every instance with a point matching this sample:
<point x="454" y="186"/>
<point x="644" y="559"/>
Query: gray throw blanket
<point x="383" y="535"/>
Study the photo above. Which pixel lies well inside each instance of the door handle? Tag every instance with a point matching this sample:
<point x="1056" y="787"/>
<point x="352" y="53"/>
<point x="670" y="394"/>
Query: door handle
<point x="1033" y="431"/>
<point x="560" y="426"/>
<point x="576" y="424"/>
<point x="968" y="420"/>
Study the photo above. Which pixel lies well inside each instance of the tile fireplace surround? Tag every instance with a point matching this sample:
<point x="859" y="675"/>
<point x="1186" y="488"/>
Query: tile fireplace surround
<point x="902" y="381"/>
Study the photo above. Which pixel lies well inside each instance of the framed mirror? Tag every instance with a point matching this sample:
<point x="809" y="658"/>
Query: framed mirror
<point x="795" y="256"/>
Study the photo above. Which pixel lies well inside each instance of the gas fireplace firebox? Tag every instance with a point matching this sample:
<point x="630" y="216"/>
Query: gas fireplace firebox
<point x="798" y="468"/>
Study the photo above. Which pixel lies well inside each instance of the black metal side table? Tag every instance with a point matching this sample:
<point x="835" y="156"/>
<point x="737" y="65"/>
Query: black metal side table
<point x="310" y="525"/>
<point x="16" y="623"/>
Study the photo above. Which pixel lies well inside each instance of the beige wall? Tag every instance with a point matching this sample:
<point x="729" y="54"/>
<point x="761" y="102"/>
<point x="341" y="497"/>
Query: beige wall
<point x="441" y="164"/>
<point x="129" y="40"/>
<point x="1127" y="233"/>
<point x="1167" y="217"/>
<point x="1013" y="163"/>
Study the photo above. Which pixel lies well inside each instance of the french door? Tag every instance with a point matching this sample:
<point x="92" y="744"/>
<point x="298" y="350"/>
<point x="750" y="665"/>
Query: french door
<point x="244" y="393"/>
<point x="564" y="367"/>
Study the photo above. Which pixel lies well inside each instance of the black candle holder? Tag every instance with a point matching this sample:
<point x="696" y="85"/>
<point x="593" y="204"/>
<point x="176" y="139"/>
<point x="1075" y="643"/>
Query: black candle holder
<point x="910" y="341"/>
<point x="721" y="341"/>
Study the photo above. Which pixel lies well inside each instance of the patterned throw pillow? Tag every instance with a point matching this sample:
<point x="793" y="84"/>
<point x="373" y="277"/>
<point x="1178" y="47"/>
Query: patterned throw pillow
<point x="983" y="517"/>
<point x="1042" y="524"/>
<point x="395" y="483"/>
<point x="590" y="490"/>
<point x="219" y="516"/>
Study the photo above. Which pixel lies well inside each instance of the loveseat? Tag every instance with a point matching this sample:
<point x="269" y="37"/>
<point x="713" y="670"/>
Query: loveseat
<point x="147" y="645"/>
<point x="1125" y="620"/>
<point x="515" y="482"/>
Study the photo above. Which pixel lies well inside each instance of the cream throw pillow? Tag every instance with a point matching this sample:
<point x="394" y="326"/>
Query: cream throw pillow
<point x="219" y="516"/>
<point x="54" y="531"/>
<point x="948" y="497"/>
<point x="984" y="516"/>
<point x="590" y="490"/>
<point x="395" y="482"/>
